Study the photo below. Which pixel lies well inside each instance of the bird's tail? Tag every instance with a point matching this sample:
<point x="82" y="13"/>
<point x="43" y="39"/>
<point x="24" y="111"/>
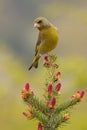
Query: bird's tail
<point x="35" y="62"/>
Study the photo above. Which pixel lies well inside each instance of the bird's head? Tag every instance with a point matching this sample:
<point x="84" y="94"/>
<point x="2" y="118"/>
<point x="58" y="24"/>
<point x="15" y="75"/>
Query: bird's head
<point x="41" y="23"/>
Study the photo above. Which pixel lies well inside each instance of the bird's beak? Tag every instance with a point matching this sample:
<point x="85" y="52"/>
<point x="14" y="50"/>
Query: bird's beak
<point x="36" y="25"/>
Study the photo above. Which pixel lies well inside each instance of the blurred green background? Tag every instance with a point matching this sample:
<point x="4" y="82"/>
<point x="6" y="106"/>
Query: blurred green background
<point x="17" y="43"/>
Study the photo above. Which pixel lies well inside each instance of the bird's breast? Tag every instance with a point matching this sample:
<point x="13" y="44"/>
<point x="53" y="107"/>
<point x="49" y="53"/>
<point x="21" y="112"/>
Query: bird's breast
<point x="49" y="40"/>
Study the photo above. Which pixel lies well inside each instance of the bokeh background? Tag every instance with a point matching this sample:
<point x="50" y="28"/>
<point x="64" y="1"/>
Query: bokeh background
<point x="17" y="43"/>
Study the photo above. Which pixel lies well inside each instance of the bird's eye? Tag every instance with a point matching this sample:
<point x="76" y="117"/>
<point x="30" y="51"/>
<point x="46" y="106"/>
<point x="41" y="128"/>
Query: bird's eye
<point x="39" y="21"/>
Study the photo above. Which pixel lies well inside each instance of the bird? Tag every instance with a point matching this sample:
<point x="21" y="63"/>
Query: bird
<point x="47" y="39"/>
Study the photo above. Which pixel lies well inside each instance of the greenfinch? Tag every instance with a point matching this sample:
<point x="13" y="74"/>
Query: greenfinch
<point x="47" y="39"/>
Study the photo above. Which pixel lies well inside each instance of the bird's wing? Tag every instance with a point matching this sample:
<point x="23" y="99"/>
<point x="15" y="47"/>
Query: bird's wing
<point x="37" y="45"/>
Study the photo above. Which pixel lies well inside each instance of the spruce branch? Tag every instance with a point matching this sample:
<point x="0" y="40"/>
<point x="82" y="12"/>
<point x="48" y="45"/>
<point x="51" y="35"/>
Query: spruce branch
<point x="50" y="113"/>
<point x="66" y="105"/>
<point x="40" y="116"/>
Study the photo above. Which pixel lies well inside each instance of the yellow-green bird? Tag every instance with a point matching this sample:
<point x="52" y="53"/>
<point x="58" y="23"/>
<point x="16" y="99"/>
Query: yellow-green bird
<point x="47" y="39"/>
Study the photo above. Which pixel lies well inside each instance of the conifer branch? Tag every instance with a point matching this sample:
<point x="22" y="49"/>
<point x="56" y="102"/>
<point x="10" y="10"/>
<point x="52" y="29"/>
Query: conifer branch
<point x="65" y="105"/>
<point x="49" y="112"/>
